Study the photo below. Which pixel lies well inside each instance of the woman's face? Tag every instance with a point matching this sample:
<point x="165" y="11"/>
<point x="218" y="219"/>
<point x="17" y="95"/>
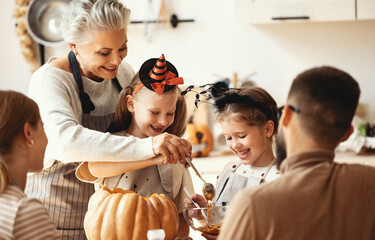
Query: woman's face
<point x="152" y="114"/>
<point x="247" y="142"/>
<point x="100" y="58"/>
<point x="37" y="151"/>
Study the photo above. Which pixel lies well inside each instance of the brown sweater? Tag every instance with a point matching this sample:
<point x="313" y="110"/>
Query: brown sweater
<point x="315" y="198"/>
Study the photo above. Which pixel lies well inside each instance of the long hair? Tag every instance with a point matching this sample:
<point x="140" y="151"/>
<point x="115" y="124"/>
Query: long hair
<point x="123" y="117"/>
<point x="178" y="126"/>
<point x="15" y="110"/>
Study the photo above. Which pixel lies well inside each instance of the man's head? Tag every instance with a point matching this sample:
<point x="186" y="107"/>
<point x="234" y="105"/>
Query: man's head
<point x="327" y="99"/>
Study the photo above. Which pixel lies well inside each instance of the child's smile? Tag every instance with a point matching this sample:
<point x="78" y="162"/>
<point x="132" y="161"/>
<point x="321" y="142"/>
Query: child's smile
<point x="242" y="154"/>
<point x="152" y="113"/>
<point x="158" y="130"/>
<point x="247" y="142"/>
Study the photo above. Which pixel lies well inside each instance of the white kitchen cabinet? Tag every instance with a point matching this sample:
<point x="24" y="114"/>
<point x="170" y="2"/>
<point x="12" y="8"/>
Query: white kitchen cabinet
<point x="271" y="11"/>
<point x="365" y="9"/>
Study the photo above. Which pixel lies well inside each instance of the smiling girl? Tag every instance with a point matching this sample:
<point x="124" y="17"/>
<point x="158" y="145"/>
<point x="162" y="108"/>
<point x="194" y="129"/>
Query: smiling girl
<point x="248" y="119"/>
<point x="150" y="106"/>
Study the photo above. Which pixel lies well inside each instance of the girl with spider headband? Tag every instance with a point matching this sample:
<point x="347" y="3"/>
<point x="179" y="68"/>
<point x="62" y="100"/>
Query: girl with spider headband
<point x="151" y="105"/>
<point x="248" y="118"/>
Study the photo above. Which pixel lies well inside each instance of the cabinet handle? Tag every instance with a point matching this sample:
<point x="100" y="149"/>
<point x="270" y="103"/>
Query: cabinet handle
<point x="291" y="18"/>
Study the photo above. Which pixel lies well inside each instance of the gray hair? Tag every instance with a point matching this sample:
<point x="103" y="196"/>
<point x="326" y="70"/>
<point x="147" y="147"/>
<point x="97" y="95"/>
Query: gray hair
<point x="88" y="16"/>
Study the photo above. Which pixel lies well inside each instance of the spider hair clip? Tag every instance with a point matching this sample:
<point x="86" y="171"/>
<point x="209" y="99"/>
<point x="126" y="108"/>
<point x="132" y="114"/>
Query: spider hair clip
<point x="210" y="92"/>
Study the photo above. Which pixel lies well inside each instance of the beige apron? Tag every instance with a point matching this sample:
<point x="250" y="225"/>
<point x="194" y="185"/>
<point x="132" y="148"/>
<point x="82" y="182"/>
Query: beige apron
<point x="57" y="187"/>
<point x="145" y="181"/>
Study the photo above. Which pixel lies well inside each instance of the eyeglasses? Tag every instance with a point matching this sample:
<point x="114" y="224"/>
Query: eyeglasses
<point x="280" y="110"/>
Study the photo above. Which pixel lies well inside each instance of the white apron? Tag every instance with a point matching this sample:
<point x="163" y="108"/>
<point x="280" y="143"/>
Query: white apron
<point x="231" y="183"/>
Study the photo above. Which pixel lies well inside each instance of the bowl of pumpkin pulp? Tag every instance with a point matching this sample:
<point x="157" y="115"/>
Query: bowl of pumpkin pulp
<point x="205" y="219"/>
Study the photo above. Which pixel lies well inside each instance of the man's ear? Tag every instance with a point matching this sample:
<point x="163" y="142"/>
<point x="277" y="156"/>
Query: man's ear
<point x="347" y="133"/>
<point x="130" y="103"/>
<point x="286" y="116"/>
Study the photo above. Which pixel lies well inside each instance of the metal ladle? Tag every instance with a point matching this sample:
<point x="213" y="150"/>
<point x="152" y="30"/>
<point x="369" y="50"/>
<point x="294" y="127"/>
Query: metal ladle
<point x="208" y="189"/>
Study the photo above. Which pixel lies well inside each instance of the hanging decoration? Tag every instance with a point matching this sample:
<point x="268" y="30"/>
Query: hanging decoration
<point x="27" y="44"/>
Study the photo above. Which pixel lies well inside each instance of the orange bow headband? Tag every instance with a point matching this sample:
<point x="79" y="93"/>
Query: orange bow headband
<point x="158" y="75"/>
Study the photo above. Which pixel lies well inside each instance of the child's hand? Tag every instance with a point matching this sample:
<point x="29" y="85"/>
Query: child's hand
<point x="200" y="200"/>
<point x="197" y="198"/>
<point x="171" y="147"/>
<point x="209" y="236"/>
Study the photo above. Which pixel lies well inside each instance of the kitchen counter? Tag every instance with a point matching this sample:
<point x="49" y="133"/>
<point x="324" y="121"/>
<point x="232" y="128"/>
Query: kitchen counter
<point x="211" y="166"/>
<point x="352" y="157"/>
<point x="216" y="161"/>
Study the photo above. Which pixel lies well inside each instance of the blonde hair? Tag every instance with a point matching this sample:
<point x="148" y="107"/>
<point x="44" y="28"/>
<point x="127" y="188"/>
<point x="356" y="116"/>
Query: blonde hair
<point x="85" y="16"/>
<point x="123" y="117"/>
<point x="15" y="110"/>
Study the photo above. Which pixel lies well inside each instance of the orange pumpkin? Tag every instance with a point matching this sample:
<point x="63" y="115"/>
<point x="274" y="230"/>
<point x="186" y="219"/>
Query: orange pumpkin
<point x="201" y="139"/>
<point x="123" y="214"/>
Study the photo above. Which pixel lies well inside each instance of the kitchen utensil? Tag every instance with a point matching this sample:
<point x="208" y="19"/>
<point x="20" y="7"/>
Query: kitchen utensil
<point x="196" y="204"/>
<point x="174" y="21"/>
<point x="211" y="225"/>
<point x="43" y="21"/>
<point x="208" y="189"/>
<point x="150" y="30"/>
<point x="164" y="15"/>
<point x="189" y="196"/>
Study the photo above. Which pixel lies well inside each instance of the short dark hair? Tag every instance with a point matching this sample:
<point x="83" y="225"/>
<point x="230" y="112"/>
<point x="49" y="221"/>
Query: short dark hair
<point x="327" y="98"/>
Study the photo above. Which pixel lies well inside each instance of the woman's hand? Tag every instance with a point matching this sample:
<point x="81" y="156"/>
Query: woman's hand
<point x="171" y="147"/>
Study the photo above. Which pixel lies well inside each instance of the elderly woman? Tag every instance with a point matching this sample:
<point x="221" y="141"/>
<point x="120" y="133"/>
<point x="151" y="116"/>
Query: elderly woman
<point x="77" y="96"/>
<point x="22" y="146"/>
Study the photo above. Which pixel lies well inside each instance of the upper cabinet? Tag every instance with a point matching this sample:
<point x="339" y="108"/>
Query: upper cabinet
<point x="271" y="11"/>
<point x="365" y="9"/>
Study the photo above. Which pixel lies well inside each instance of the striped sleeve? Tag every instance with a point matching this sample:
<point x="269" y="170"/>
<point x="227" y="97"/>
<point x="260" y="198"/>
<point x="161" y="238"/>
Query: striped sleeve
<point x="33" y="222"/>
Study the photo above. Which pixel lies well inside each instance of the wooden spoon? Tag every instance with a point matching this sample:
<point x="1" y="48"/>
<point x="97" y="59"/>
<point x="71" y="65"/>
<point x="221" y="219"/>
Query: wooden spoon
<point x="164" y="15"/>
